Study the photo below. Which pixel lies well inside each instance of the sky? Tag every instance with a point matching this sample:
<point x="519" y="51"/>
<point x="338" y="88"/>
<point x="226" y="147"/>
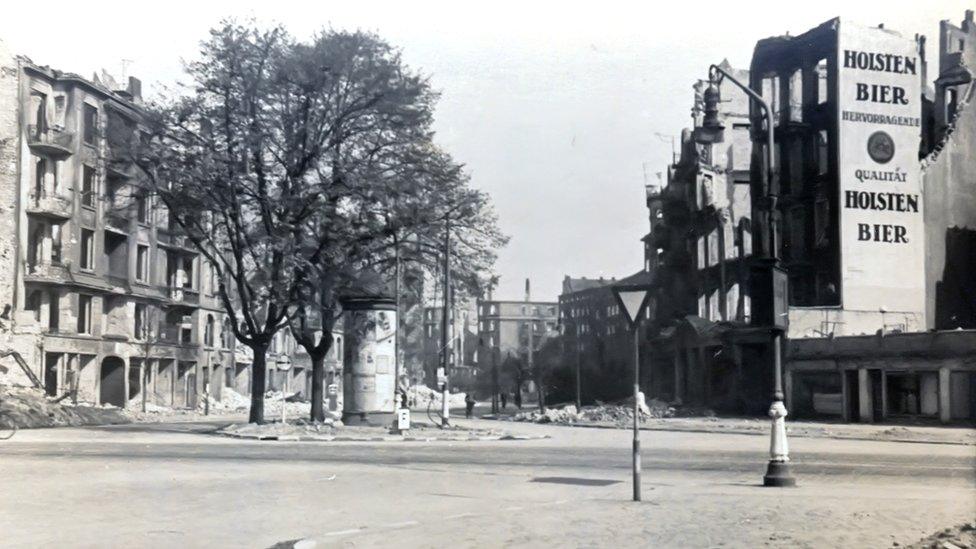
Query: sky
<point x="560" y="110"/>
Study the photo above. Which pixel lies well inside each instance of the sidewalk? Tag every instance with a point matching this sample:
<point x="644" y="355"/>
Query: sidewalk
<point x="932" y="434"/>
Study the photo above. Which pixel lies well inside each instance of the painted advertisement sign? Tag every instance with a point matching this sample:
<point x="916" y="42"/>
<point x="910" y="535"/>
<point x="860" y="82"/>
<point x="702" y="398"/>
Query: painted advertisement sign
<point x="879" y="130"/>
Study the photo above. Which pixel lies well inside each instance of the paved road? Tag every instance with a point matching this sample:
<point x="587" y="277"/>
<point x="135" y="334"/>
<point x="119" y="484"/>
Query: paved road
<point x="174" y="485"/>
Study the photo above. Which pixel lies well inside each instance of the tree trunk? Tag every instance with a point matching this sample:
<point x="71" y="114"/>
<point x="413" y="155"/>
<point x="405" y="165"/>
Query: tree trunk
<point x="258" y="378"/>
<point x="318" y="394"/>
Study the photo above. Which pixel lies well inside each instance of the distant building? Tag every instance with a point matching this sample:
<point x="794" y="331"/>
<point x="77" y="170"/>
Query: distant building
<point x="596" y="335"/>
<point x="463" y="346"/>
<point x="506" y="329"/>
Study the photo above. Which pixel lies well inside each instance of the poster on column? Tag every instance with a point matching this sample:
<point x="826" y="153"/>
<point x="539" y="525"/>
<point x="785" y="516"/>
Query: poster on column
<point x="879" y="131"/>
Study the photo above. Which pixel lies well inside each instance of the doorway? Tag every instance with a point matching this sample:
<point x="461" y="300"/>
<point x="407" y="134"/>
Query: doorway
<point x="112" y="382"/>
<point x="51" y="361"/>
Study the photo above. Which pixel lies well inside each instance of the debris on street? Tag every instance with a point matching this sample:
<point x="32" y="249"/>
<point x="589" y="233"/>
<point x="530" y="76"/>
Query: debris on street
<point x="25" y="408"/>
<point x="621" y="412"/>
<point x="423" y="394"/>
<point x="962" y="536"/>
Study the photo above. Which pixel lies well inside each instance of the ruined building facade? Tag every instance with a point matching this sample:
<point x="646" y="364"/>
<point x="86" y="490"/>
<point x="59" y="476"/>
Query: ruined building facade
<point x="102" y="289"/>
<point x="875" y="208"/>
<point x="101" y="293"/>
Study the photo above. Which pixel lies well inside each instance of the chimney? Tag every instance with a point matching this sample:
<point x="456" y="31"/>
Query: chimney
<point x="135" y="89"/>
<point x="968" y="21"/>
<point x="527" y="293"/>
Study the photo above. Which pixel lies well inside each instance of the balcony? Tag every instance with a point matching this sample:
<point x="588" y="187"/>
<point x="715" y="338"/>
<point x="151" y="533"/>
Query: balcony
<point x="118" y="163"/>
<point x="47" y="272"/>
<point x="51" y="142"/>
<point x="117" y="280"/>
<point x="173" y="238"/>
<point x="53" y="206"/>
<point x="176" y="335"/>
<point x="116" y="221"/>
<point x="186" y="296"/>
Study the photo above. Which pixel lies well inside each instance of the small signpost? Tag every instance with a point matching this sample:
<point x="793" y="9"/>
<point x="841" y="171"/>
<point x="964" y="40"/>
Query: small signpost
<point x="403" y="420"/>
<point x="633" y="299"/>
<point x="284" y="364"/>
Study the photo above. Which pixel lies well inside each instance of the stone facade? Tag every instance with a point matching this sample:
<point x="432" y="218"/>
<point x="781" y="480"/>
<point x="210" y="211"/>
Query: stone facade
<point x="101" y="292"/>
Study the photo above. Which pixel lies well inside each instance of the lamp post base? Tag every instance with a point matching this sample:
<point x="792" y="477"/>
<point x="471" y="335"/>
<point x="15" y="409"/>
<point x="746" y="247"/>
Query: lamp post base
<point x="779" y="474"/>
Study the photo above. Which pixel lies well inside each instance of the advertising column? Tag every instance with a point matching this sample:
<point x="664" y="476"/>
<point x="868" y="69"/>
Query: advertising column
<point x="879" y="131"/>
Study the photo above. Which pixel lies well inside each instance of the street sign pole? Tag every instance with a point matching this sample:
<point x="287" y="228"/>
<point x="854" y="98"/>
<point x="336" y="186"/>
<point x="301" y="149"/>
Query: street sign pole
<point x="632" y="300"/>
<point x="637" y="456"/>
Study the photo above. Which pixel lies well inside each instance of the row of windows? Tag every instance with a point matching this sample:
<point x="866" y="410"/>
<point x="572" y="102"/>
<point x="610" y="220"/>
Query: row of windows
<point x="145" y="322"/>
<point x="180" y="267"/>
<point x="47" y="182"/>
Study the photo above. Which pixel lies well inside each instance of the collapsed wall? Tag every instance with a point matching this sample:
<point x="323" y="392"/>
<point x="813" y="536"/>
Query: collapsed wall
<point x="949" y="187"/>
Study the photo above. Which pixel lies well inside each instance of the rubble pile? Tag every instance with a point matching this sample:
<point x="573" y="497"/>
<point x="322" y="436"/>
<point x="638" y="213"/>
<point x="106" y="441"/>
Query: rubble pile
<point x="423" y="394"/>
<point x="230" y="401"/>
<point x="274" y="400"/>
<point x="25" y="408"/>
<point x="958" y="537"/>
<point x="300" y="427"/>
<point x="621" y="412"/>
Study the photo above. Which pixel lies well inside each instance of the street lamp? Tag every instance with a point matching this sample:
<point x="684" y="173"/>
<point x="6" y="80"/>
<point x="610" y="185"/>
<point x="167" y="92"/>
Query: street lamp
<point x="632" y="299"/>
<point x="769" y="284"/>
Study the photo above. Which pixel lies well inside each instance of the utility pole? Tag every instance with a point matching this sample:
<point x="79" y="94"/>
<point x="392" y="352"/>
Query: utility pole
<point x="446" y="347"/>
<point x="531" y="354"/>
<point x="396" y="334"/>
<point x="579" y="367"/>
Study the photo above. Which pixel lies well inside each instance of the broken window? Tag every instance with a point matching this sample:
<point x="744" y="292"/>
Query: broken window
<point x="84" y="313"/>
<point x="54" y="311"/>
<point x="822" y="153"/>
<point x="34" y="304"/>
<point x="142" y="208"/>
<point x="90" y="124"/>
<point x="88" y="186"/>
<point x="56" y="243"/>
<point x="142" y="263"/>
<point x="208" y="334"/>
<point x="40" y="174"/>
<point x="951" y="100"/>
<point x="87" y="249"/>
<point x="39" y="102"/>
<point x="140" y="327"/>
<point x="59" y="103"/>
<point x="187" y="272"/>
<point x="822" y="82"/>
<point x="821" y="222"/>
<point x="796" y="96"/>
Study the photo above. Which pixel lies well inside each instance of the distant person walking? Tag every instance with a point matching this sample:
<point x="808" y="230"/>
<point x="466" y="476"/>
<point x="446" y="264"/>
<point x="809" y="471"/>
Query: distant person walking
<point x="518" y="399"/>
<point x="468" y="405"/>
<point x="504" y="400"/>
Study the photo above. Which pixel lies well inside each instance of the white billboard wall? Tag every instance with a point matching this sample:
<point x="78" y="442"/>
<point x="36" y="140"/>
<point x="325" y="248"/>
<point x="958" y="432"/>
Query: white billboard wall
<point x="879" y="131"/>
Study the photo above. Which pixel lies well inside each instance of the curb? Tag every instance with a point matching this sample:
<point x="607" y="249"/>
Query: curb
<point x="763" y="432"/>
<point x="391" y="438"/>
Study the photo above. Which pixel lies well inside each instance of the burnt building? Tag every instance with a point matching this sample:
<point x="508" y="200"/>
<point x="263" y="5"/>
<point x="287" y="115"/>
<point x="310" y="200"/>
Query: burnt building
<point x="103" y="289"/>
<point x="873" y="256"/>
<point x="103" y="296"/>
<point x="858" y="230"/>
<point x="701" y="241"/>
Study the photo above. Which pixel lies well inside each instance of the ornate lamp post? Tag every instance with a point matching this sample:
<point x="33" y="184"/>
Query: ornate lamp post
<point x="769" y="283"/>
